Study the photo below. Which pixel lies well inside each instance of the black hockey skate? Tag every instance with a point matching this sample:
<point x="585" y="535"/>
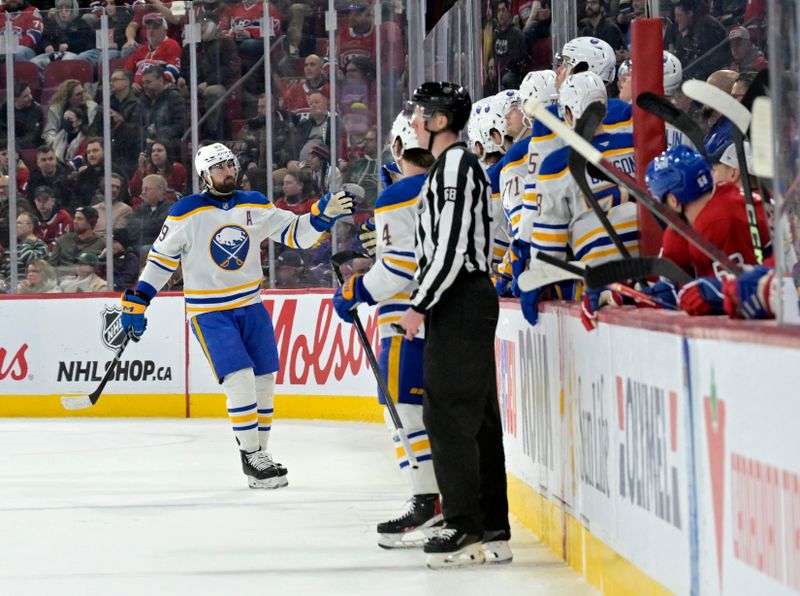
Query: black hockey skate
<point x="261" y="471"/>
<point x="423" y="513"/>
<point x="451" y="548"/>
<point x="495" y="547"/>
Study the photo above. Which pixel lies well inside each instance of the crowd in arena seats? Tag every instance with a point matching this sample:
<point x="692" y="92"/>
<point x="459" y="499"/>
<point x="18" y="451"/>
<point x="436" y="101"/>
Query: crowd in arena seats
<point x="59" y="147"/>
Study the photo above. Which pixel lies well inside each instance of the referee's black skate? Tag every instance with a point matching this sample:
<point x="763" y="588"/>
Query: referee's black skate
<point x="451" y="548"/>
<point x="418" y="521"/>
<point x="495" y="547"/>
<point x="262" y="472"/>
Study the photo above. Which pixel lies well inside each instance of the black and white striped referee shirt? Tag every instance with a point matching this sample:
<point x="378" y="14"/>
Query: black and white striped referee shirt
<point x="454" y="224"/>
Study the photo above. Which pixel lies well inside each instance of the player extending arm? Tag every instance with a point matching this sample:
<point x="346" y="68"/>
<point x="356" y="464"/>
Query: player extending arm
<point x="215" y="236"/>
<point x="389" y="284"/>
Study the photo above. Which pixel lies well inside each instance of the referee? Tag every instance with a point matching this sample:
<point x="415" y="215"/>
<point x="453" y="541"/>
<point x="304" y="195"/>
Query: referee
<point x="458" y="303"/>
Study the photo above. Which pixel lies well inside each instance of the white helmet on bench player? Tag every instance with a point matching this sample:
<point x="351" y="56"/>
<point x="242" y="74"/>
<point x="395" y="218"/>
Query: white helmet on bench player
<point x="401" y="129"/>
<point x="212" y="155"/>
<point x="579" y="91"/>
<point x="493" y="118"/>
<point x="596" y="53"/>
<point x="474" y="123"/>
<point x="673" y="72"/>
<point x="538" y="87"/>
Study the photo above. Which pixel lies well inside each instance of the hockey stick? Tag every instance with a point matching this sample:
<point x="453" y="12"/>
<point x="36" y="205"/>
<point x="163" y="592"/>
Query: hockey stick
<point x="80" y="402"/>
<point x="661" y="211"/>
<point x="545" y="275"/>
<point x="761" y="139"/>
<point x="619" y="270"/>
<point x="740" y="117"/>
<point x="337" y="260"/>
<point x="586" y="126"/>
<point x="662" y="108"/>
<point x="640" y="297"/>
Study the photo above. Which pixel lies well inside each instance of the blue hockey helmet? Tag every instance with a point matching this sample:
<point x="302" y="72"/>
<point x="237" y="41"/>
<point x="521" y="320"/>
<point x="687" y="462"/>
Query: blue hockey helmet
<point x="681" y="171"/>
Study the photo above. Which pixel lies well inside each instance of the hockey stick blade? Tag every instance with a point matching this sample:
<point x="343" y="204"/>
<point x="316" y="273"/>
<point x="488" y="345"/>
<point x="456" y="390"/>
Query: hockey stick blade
<point x="658" y="209"/>
<point x="544" y="275"/>
<point x="81" y="402"/>
<point x="662" y="108"/>
<point x="761" y="138"/>
<point x="719" y="101"/>
<point x="344" y="256"/>
<point x="640" y="297"/>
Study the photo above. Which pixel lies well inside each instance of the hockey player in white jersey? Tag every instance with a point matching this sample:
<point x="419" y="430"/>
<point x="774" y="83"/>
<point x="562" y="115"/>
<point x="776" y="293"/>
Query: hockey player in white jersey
<point x="578" y="55"/>
<point x="215" y="236"/>
<point x="565" y="224"/>
<point x="537" y="87"/>
<point x="389" y="284"/>
<point x="673" y="77"/>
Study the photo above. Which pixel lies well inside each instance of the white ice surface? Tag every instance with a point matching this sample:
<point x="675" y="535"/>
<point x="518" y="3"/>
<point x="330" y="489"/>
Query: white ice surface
<point x="151" y="507"/>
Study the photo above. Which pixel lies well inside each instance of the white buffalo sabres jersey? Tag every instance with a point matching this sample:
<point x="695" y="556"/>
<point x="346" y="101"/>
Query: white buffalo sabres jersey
<point x="512" y="187"/>
<point x="543" y="142"/>
<point x="217" y="243"/>
<point x="391" y="280"/>
<point x="675" y="137"/>
<point x="565" y="219"/>
<point x="500" y="232"/>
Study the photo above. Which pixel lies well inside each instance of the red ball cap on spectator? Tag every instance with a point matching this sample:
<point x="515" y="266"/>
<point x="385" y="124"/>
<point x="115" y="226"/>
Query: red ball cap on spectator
<point x="321" y="152"/>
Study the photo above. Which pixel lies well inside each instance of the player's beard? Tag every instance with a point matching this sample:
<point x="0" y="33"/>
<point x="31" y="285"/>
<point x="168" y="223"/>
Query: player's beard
<point x="227" y="186"/>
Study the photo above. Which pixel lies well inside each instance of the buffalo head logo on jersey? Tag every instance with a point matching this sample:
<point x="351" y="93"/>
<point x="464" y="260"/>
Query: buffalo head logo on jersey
<point x="229" y="246"/>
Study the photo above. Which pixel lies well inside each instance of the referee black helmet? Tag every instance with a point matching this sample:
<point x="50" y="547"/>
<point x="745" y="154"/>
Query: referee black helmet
<point x="446" y="98"/>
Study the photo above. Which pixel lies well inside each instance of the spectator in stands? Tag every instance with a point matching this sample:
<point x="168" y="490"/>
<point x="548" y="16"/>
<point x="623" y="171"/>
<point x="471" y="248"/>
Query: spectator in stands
<point x="118" y="19"/>
<point x="23" y="174"/>
<point x="253" y="136"/>
<point x="627" y="12"/>
<point x="5" y="223"/>
<point x="598" y="24"/>
<point x="86" y="278"/>
<point x="291" y="272"/>
<point x="156" y="160"/>
<point x="70" y="94"/>
<point x="29" y="246"/>
<point x="82" y="239"/>
<point x="87" y="182"/>
<point x="537" y="36"/>
<point x="65" y="36"/>
<point x="72" y="141"/>
<point x="303" y="20"/>
<point x="54" y="221"/>
<point x="742" y="84"/>
<point x="698" y="35"/>
<point x="218" y="67"/>
<point x="325" y="176"/>
<point x="126" y="135"/>
<point x="51" y="173"/>
<point x="245" y="28"/>
<point x="162" y="109"/>
<point x="746" y="56"/>
<point x="41" y="278"/>
<point x="510" y="50"/>
<point x="256" y="179"/>
<point x="120" y="212"/>
<point x="126" y="261"/>
<point x="159" y="50"/>
<point x="298" y="193"/>
<point x="295" y="98"/>
<point x="358" y="85"/>
<point x="146" y="223"/>
<point x="358" y="39"/>
<point x="136" y="31"/>
<point x="27" y="26"/>
<point x="28" y="117"/>
<point x="364" y="170"/>
<point x="314" y="129"/>
<point x="356" y="124"/>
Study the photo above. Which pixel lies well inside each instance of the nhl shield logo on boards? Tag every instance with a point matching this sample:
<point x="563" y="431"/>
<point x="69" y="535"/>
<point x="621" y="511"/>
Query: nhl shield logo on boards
<point x="111" y="327"/>
<point x="228" y="247"/>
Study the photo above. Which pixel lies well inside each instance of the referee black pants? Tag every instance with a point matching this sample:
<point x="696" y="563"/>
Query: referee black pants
<point x="460" y="408"/>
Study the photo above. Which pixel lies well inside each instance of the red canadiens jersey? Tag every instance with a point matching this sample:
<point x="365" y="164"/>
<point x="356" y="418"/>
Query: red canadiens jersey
<point x="248" y="15"/>
<point x="723" y="221"/>
<point x="167" y="55"/>
<point x="295" y="98"/>
<point x="26" y="23"/>
<point x="51" y="230"/>
<point x="352" y="44"/>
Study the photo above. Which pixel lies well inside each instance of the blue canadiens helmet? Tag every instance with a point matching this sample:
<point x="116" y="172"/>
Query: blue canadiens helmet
<point x="681" y="171"/>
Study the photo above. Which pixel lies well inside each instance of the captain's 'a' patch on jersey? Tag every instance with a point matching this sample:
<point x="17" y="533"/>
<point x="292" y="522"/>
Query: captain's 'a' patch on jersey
<point x="228" y="247"/>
